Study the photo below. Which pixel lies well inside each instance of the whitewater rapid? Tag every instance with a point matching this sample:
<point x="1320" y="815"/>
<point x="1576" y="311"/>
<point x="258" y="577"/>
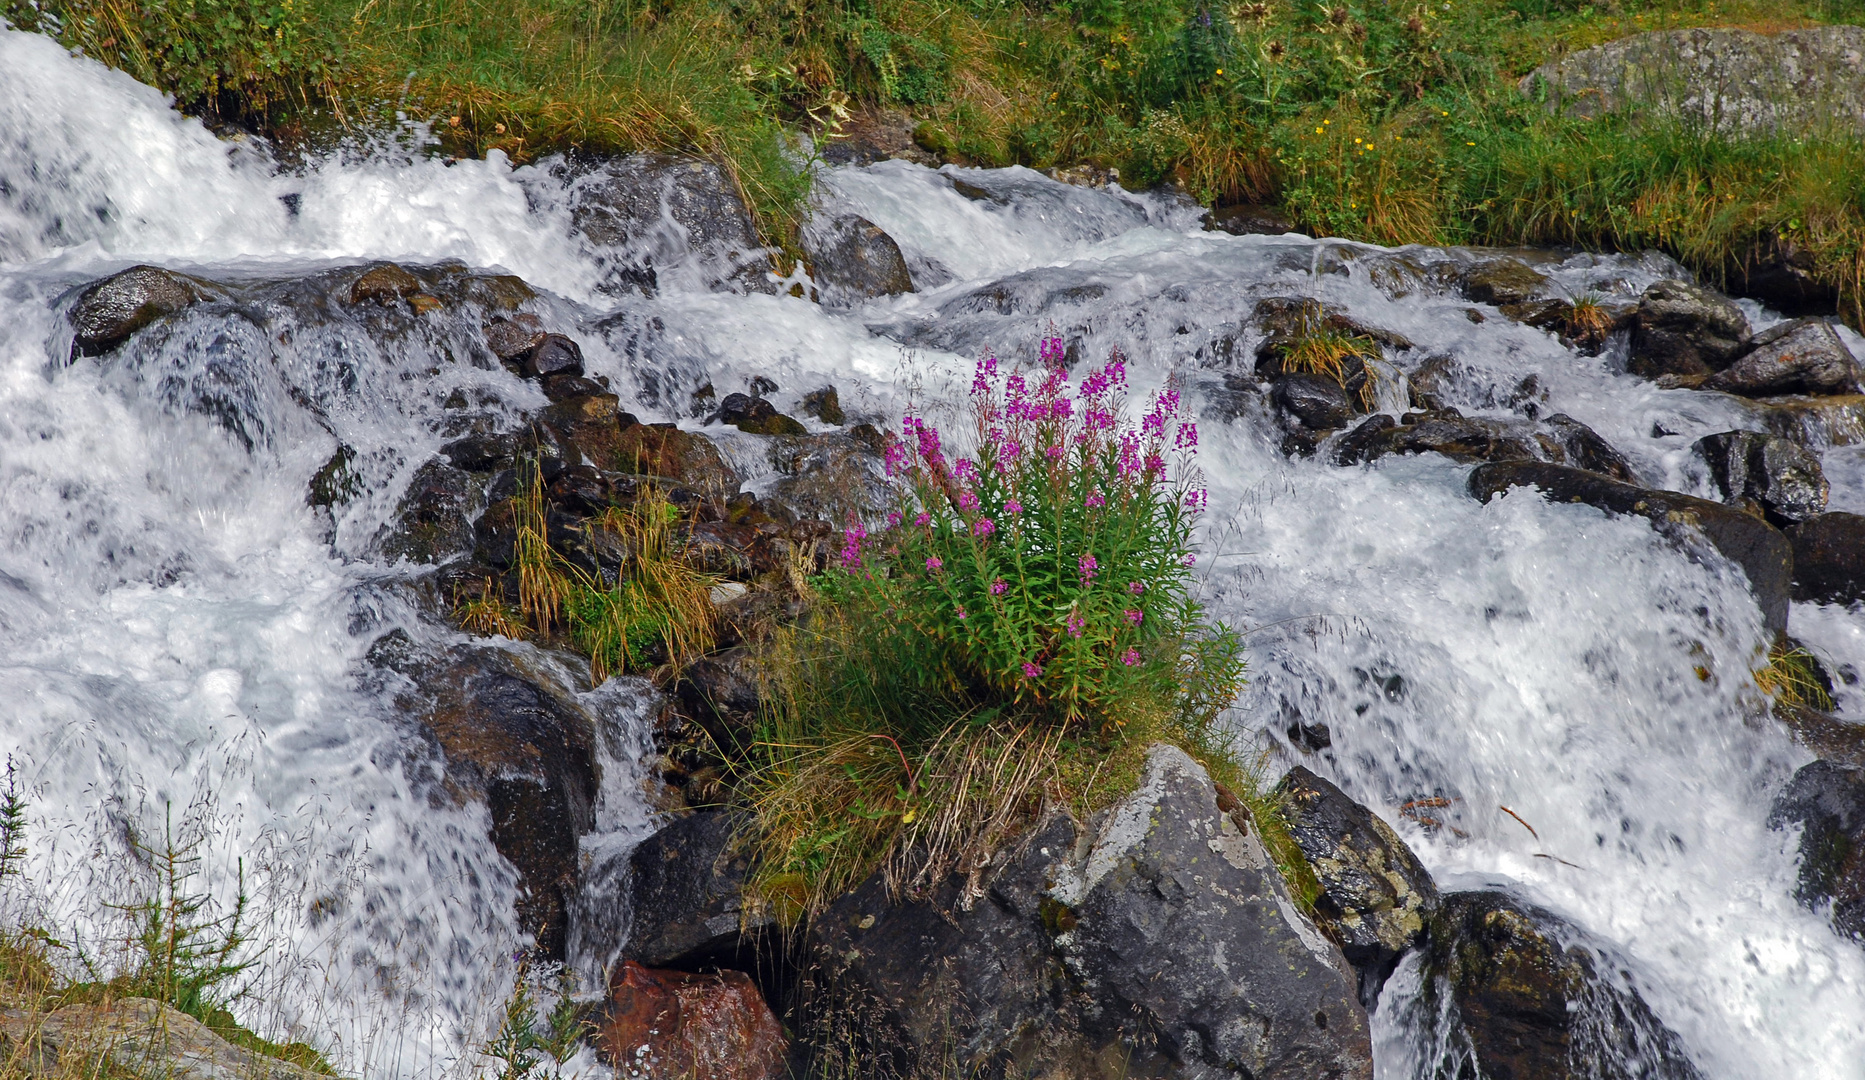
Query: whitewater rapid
<point x="176" y="626"/>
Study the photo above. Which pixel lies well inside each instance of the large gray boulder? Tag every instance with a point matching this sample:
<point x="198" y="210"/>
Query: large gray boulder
<point x="1777" y="478"/>
<point x="1376" y="897"/>
<point x="1804" y="356"/>
<point x="1559" y="439"/>
<point x="1531" y="1000"/>
<point x="1157" y="940"/>
<point x="1684" y="329"/>
<point x="1731" y="81"/>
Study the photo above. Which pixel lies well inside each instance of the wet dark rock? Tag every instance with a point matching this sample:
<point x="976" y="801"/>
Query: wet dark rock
<point x="337" y="482"/>
<point x="755" y="415"/>
<point x="588" y="429"/>
<point x="1829" y="558"/>
<point x="1533" y="1006"/>
<point x="482" y="452"/>
<point x="685" y="457"/>
<point x="108" y="312"/>
<point x="721" y="693"/>
<point x="1158" y="941"/>
<point x="1310" y="738"/>
<point x="824" y="405"/>
<point x="554" y="354"/>
<point x="1814" y="422"/>
<point x="851" y="259"/>
<point x="1762" y="552"/>
<point x="1684" y="329"/>
<point x="434" y="523"/>
<point x="1804" y="356"/>
<point x="385" y="283"/>
<point x="1504" y="280"/>
<point x="512" y="736"/>
<point x="677" y="1025"/>
<point x="1243" y="219"/>
<point x="1559" y="439"/>
<point x="1827" y="800"/>
<point x="1781" y="274"/>
<point x="828" y="477"/>
<point x="565" y="387"/>
<point x="1776" y="478"/>
<point x="511" y="338"/>
<point x="1315" y="403"/>
<point x="687" y="886"/>
<point x="1283" y="319"/>
<point x="1376" y="897"/>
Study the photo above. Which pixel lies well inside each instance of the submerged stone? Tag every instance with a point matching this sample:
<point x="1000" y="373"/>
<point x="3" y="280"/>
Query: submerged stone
<point x="1829" y="558"/>
<point x="1827" y="800"/>
<point x="108" y="312"/>
<point x="853" y="259"/>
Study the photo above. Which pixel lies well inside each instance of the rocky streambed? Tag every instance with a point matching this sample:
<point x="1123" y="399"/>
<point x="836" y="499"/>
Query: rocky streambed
<point x="1509" y="576"/>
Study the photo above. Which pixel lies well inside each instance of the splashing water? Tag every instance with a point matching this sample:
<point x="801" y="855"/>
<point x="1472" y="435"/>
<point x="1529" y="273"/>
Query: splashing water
<point x="177" y="628"/>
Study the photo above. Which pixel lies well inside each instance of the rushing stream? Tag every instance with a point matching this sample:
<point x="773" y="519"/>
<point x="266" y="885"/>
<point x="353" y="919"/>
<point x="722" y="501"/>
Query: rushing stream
<point x="178" y="627"/>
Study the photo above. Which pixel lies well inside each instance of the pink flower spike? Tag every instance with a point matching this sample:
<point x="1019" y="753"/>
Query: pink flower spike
<point x="1187" y="438"/>
<point x="1135" y="616"/>
<point x="1075" y="623"/>
<point x="968" y="501"/>
<point x="1054" y="452"/>
<point x="999" y="586"/>
<point x="1088" y="567"/>
<point x="1031" y="671"/>
<point x="893" y="520"/>
<point x="983" y="527"/>
<point x="1131" y="657"/>
<point x="1191" y="560"/>
<point x="934" y="563"/>
<point x="1137" y="588"/>
<point x="922" y="518"/>
<point x="1012" y="507"/>
<point x="1094" y="500"/>
<point x="960" y="610"/>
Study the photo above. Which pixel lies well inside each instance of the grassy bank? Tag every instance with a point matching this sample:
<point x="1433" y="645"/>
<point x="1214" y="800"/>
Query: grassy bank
<point x="1391" y="122"/>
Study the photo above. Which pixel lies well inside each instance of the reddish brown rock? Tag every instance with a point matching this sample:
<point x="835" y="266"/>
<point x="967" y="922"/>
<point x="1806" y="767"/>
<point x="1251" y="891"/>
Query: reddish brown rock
<point x="681" y="456"/>
<point x="673" y="1025"/>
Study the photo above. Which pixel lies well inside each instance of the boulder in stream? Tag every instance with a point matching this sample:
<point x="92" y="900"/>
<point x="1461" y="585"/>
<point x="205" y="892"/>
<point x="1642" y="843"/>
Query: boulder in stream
<point x="1829" y="558"/>
<point x="645" y="213"/>
<point x="1156" y="940"/>
<point x="687" y="886"/>
<point x="1532" y="1003"/>
<point x="1803" y="356"/>
<point x="1559" y="439"/>
<point x="1764" y="555"/>
<point x="1827" y="800"/>
<point x="756" y="416"/>
<point x="1776" y="478"/>
<point x="852" y="259"/>
<point x="109" y="311"/>
<point x="1376" y="897"/>
<point x="1684" y="329"/>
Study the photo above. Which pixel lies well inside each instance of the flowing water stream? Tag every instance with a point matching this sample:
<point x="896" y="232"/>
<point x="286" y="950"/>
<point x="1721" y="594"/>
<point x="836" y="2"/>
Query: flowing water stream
<point x="178" y="629"/>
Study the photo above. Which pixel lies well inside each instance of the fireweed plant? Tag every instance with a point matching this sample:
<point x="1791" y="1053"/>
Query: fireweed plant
<point x="1013" y="636"/>
<point x="1053" y="562"/>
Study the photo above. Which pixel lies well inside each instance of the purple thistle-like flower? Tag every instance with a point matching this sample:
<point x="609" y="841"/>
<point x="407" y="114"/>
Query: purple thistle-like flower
<point x="1031" y="671"/>
<point x="1135" y="616"/>
<point x="1012" y="507"/>
<point x="1075" y="623"/>
<point x="1094" y="501"/>
<point x="999" y="586"/>
<point x="1131" y="657"/>
<point x="983" y="527"/>
<point x="1088" y="568"/>
<point x="934" y="563"/>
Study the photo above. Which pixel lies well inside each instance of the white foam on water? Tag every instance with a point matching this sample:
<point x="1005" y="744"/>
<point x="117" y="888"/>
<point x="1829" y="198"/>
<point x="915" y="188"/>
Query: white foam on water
<point x="173" y="621"/>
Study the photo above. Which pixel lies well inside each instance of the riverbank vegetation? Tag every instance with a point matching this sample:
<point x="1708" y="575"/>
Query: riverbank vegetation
<point x="1387" y="122"/>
